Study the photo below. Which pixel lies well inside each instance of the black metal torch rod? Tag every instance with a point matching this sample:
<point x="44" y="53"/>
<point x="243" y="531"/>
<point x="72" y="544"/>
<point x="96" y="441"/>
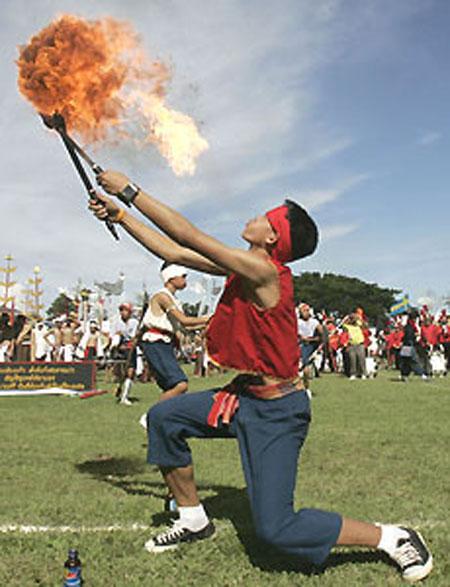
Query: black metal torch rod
<point x="84" y="178"/>
<point x="96" y="168"/>
<point x="56" y="122"/>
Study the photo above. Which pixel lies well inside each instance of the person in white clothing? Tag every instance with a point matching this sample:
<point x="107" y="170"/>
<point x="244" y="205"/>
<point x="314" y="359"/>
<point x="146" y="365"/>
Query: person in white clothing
<point x="163" y="319"/>
<point x="54" y="338"/>
<point x="310" y="335"/>
<point x="69" y="333"/>
<point x="124" y="331"/>
<point x="40" y="348"/>
<point x="90" y="346"/>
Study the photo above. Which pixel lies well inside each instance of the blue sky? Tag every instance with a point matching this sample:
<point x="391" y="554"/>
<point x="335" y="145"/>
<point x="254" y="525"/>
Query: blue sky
<point x="341" y="105"/>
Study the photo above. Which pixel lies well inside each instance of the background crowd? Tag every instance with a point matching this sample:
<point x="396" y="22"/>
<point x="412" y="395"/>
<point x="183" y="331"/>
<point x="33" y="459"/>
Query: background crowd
<point x="415" y="341"/>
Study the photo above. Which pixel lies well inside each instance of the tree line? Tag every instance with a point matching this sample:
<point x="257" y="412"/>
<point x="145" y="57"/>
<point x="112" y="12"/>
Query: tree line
<point x="331" y="292"/>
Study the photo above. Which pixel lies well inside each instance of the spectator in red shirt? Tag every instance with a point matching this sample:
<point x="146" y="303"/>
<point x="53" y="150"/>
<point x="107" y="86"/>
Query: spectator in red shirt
<point x="445" y="339"/>
<point x="429" y="337"/>
<point x="389" y="340"/>
<point x="393" y="344"/>
<point x="429" y="333"/>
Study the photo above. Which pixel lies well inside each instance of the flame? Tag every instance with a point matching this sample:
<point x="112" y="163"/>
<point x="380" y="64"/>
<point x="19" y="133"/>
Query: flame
<point x="98" y="76"/>
<point x="174" y="134"/>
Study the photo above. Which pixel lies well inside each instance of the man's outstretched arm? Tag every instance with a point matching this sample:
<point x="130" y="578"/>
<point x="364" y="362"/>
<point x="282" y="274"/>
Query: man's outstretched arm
<point x="159" y="244"/>
<point x="181" y="230"/>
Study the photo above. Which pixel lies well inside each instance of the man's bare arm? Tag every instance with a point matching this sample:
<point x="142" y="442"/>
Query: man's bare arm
<point x="23" y="333"/>
<point x="167" y="249"/>
<point x="167" y="305"/>
<point x="181" y="230"/>
<point x="159" y="244"/>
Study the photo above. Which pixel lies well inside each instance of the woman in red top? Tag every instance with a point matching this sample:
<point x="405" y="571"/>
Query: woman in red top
<point x="265" y="408"/>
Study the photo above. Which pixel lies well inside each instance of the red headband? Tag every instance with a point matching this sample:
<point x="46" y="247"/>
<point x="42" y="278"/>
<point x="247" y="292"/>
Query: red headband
<point x="278" y="218"/>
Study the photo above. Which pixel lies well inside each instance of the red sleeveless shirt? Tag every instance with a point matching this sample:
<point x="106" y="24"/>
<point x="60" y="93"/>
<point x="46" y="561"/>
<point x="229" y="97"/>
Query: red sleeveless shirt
<point x="253" y="340"/>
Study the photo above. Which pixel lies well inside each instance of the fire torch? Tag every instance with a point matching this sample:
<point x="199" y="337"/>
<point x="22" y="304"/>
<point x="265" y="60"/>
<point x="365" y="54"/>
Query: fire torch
<point x="57" y="122"/>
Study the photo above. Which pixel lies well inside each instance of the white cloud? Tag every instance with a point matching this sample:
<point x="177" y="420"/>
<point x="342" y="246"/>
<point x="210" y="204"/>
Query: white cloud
<point x="314" y="199"/>
<point x="336" y="231"/>
<point x="429" y="138"/>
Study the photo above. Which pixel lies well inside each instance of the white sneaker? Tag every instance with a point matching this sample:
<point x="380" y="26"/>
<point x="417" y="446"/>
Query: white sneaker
<point x="143" y="421"/>
<point x="424" y="377"/>
<point x="412" y="556"/>
<point x="352" y="377"/>
<point x="175" y="535"/>
<point x="125" y="402"/>
<point x="363" y="377"/>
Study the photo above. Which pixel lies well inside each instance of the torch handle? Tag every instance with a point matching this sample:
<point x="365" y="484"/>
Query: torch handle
<point x="84" y="177"/>
<point x="96" y="168"/>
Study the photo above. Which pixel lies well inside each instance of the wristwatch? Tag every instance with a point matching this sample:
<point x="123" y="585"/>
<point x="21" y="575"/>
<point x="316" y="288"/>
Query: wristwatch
<point x="129" y="192"/>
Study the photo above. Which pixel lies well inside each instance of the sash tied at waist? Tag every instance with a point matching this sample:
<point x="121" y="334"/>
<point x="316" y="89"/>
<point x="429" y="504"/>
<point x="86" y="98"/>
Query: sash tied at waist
<point x="226" y="401"/>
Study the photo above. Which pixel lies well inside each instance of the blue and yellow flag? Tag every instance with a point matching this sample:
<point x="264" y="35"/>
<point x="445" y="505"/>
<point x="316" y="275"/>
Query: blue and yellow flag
<point x="400" y="306"/>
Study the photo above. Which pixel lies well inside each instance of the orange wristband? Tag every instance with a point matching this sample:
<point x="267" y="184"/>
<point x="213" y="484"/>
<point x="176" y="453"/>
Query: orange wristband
<point x="119" y="217"/>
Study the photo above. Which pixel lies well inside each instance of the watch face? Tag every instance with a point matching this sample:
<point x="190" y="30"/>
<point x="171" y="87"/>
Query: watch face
<point x="130" y="191"/>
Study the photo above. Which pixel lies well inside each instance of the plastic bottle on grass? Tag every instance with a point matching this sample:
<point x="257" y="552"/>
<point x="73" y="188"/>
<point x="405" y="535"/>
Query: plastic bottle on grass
<point x="72" y="570"/>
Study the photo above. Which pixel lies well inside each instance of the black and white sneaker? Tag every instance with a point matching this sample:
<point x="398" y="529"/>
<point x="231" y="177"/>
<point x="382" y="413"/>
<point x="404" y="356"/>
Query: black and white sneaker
<point x="412" y="556"/>
<point x="176" y="535"/>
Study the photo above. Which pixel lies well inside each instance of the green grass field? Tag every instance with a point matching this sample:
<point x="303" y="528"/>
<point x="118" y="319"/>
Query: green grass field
<point x="377" y="450"/>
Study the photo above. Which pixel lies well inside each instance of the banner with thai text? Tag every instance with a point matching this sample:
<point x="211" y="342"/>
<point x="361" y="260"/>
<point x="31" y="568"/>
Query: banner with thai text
<point x="75" y="376"/>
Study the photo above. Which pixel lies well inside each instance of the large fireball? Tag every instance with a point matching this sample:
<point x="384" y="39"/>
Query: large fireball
<point x="97" y="75"/>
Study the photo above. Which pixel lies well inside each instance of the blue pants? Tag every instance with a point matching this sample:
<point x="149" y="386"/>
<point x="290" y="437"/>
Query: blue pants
<point x="270" y="434"/>
<point x="161" y="358"/>
<point x="307" y="350"/>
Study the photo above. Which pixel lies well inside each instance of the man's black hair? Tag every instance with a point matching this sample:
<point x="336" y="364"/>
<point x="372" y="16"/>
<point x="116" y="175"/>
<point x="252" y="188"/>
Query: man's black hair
<point x="304" y="232"/>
